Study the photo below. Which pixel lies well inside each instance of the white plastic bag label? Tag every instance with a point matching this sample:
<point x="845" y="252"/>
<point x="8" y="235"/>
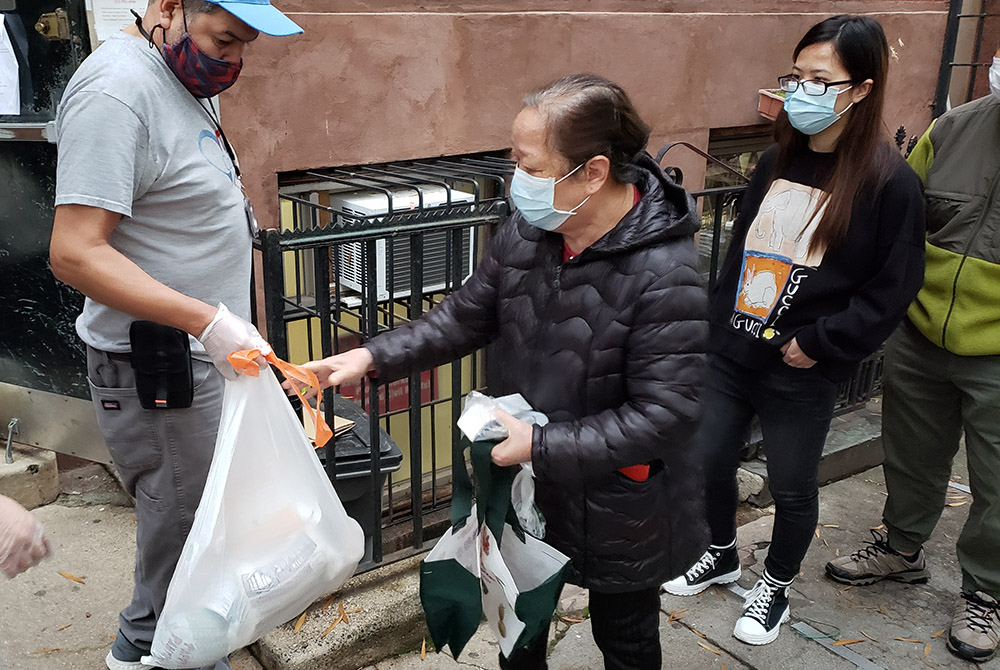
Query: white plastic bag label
<point x="269" y="537"/>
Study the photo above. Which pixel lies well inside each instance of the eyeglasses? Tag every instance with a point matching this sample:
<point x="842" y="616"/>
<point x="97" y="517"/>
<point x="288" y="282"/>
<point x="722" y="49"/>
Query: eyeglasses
<point x="790" y="83"/>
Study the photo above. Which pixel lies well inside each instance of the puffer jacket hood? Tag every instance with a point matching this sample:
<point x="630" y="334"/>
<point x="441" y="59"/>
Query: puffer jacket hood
<point x="610" y="346"/>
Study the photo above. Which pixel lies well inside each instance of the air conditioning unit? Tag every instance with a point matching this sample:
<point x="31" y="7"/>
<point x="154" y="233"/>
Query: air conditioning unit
<point x="393" y="264"/>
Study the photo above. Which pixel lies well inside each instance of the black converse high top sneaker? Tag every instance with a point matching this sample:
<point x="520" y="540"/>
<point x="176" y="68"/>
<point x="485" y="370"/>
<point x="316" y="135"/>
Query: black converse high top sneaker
<point x="718" y="565"/>
<point x="765" y="609"/>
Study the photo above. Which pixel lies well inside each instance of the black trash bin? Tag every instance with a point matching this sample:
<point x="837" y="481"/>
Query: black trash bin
<point x="351" y="476"/>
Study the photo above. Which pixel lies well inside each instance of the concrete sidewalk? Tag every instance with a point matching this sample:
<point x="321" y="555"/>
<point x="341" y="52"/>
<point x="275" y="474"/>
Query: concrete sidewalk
<point x="50" y="622"/>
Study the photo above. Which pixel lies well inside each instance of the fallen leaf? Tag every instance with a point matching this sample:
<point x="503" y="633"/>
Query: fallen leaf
<point x="938" y="634"/>
<point x="680" y="611"/>
<point x="825" y="543"/>
<point x="46" y="651"/>
<point x="830" y="525"/>
<point x="72" y="578"/>
<point x="570" y="619"/>
<point x="869" y="636"/>
<point x="58" y="630"/>
<point x="927" y="649"/>
<point x="328" y="603"/>
<point x="864" y="607"/>
<point x="330" y="628"/>
<point x="423" y="649"/>
<point x="847" y="588"/>
<point x="817" y="532"/>
<point x="299" y="624"/>
<point x="699" y="633"/>
<point x="957" y="504"/>
<point x="842" y="595"/>
<point x="113" y="637"/>
<point x="354" y="611"/>
<point x="907" y="639"/>
<point x="881" y="526"/>
<point x="883" y="610"/>
<point x="837" y="552"/>
<point x="900" y="40"/>
<point x="343" y="614"/>
<point x="924" y="661"/>
<point x="714" y="651"/>
<point x="841" y="643"/>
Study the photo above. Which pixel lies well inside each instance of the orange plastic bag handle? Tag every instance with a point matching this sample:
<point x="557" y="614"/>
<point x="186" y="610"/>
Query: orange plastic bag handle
<point x="245" y="363"/>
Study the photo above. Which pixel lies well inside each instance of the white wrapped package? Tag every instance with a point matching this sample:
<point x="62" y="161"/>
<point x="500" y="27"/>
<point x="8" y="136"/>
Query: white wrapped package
<point x="478" y="421"/>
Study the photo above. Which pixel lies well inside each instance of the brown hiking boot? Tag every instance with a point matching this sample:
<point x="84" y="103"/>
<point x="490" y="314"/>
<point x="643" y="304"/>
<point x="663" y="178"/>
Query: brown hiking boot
<point x="877" y="561"/>
<point x="975" y="630"/>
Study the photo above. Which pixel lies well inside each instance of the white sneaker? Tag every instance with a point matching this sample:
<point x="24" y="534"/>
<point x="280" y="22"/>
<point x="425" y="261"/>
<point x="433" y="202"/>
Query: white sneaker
<point x="718" y="565"/>
<point x="114" y="664"/>
<point x="765" y="609"/>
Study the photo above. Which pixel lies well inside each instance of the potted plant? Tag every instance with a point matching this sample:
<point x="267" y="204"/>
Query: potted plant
<point x="770" y="102"/>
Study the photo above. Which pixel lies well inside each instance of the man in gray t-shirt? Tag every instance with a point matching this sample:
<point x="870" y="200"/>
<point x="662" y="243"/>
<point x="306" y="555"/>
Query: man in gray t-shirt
<point x="152" y="224"/>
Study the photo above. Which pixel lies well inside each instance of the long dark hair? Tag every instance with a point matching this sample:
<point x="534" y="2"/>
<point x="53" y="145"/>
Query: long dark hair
<point x="863" y="153"/>
<point x="587" y="115"/>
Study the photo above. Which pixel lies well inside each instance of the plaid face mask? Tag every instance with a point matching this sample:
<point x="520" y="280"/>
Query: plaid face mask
<point x="202" y="75"/>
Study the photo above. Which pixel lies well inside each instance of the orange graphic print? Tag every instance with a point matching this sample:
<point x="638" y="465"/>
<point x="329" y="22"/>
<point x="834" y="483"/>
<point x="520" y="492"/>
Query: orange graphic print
<point x="764" y="278"/>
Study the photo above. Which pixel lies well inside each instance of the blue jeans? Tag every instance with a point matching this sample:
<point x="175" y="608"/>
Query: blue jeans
<point x="795" y="407"/>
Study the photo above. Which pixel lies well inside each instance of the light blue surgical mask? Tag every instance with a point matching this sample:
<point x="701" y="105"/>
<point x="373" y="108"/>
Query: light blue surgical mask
<point x="534" y="197"/>
<point x="813" y="114"/>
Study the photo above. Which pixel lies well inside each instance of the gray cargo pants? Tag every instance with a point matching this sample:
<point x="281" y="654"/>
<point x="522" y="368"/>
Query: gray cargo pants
<point x="163" y="458"/>
<point x="932" y="398"/>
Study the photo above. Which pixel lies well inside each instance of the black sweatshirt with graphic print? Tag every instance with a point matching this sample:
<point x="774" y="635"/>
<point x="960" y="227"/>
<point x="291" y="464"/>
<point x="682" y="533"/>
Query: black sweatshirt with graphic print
<point x="840" y="303"/>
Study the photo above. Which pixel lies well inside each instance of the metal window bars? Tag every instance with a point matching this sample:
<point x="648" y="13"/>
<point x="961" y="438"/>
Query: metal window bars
<point x="975" y="63"/>
<point x="366" y="249"/>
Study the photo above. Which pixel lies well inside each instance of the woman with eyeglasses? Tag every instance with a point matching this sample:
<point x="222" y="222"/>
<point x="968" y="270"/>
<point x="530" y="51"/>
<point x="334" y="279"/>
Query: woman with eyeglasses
<point x="826" y="255"/>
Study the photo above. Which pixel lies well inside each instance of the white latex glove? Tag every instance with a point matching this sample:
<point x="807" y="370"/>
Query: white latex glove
<point x="22" y="539"/>
<point x="228" y="333"/>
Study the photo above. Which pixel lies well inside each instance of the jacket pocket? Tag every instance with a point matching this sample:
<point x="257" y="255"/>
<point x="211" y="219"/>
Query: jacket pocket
<point x="625" y="517"/>
<point x="943" y="207"/>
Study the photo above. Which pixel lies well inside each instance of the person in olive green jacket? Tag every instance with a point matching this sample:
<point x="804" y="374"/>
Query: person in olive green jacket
<point x="942" y="378"/>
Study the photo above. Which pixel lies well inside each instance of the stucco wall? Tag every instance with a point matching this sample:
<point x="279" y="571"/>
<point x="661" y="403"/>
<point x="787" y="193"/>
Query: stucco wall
<point x="378" y="81"/>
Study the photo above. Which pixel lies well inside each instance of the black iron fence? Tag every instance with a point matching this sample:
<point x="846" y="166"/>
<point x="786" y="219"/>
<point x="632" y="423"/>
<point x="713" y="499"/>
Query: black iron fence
<point x="365" y="250"/>
<point x="361" y="251"/>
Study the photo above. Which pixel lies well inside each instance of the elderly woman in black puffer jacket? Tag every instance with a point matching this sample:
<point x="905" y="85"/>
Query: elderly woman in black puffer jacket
<point x="591" y="295"/>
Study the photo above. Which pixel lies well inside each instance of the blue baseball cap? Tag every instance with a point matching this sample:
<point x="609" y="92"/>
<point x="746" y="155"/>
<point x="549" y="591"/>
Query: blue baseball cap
<point x="260" y="15"/>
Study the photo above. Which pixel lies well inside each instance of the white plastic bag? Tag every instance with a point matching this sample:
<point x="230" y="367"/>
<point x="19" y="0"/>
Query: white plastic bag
<point x="269" y="537"/>
<point x="479" y="423"/>
<point x="522" y="499"/>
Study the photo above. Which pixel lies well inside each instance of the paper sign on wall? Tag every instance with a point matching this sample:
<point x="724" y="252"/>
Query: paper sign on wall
<point x="111" y="16"/>
<point x="10" y="87"/>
